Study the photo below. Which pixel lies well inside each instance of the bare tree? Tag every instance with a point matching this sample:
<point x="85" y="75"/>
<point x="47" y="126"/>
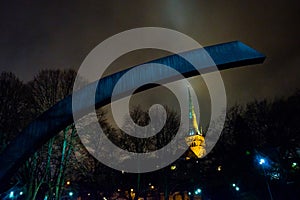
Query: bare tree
<point x="14" y="113"/>
<point x="47" y="167"/>
<point x="160" y="139"/>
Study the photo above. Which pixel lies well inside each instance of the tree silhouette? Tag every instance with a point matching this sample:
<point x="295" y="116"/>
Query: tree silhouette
<point x="14" y="112"/>
<point x="269" y="129"/>
<point x="45" y="172"/>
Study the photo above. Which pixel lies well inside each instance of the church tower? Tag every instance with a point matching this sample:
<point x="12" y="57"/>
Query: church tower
<point x="195" y="138"/>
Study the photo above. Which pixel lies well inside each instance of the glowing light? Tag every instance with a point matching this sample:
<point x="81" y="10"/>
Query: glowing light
<point x="233" y="184"/>
<point x="219" y="168"/>
<point x="237" y="188"/>
<point x="11" y="194"/>
<point x="152" y="187"/>
<point x="262" y="161"/>
<point x="198" y="191"/>
<point x="294" y="164"/>
<point x="89" y="194"/>
<point x="119" y="190"/>
<point x="68" y="182"/>
<point x="70" y="194"/>
<point x="275" y="175"/>
<point x="189" y="193"/>
<point x="131" y="190"/>
<point x="173" y="167"/>
<point x="21" y="193"/>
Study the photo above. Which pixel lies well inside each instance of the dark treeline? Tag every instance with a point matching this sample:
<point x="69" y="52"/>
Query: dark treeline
<point x="266" y="130"/>
<point x="260" y="130"/>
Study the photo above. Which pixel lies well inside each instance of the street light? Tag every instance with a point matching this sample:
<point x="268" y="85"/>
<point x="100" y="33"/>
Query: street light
<point x="173" y="167"/>
<point x="71" y="194"/>
<point x="198" y="191"/>
<point x="236" y="187"/>
<point x="263" y="162"/>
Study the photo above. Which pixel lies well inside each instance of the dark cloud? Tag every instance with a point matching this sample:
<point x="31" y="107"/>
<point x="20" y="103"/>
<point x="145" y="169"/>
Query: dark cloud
<point x="55" y="34"/>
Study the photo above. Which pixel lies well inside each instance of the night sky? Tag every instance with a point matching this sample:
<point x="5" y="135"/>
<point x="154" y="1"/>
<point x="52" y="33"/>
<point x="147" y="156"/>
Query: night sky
<point x="59" y="35"/>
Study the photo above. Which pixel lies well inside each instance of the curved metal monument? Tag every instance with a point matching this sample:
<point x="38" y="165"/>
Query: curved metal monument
<point x="47" y="125"/>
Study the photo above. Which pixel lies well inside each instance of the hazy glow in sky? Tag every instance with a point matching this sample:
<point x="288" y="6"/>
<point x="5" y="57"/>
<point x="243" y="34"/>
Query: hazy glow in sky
<point x="55" y="34"/>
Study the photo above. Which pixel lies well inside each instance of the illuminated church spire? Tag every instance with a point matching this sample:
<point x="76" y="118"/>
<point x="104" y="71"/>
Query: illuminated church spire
<point x="195" y="139"/>
<point x="193" y="126"/>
